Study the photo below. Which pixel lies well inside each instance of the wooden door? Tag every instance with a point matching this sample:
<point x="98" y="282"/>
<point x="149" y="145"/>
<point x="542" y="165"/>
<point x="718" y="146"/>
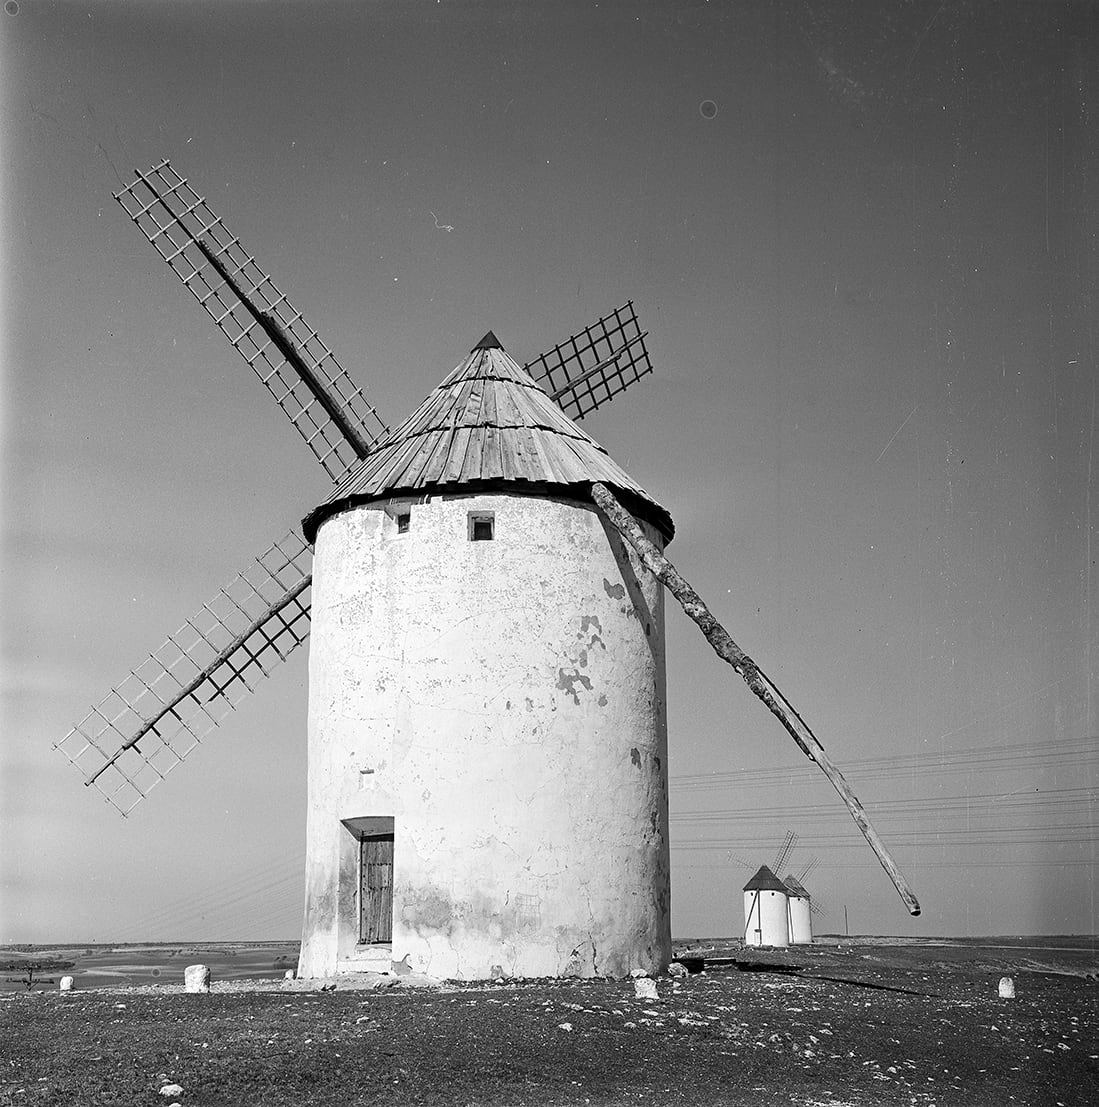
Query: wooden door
<point x="376" y="888"/>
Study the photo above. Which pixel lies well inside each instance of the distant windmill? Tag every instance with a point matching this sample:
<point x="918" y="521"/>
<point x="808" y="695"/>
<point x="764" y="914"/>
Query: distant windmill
<point x="778" y="909"/>
<point x="487" y="733"/>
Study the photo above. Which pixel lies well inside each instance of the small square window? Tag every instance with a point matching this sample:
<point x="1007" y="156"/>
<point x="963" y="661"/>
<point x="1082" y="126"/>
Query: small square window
<point x="481" y="528"/>
<point x="404" y="521"/>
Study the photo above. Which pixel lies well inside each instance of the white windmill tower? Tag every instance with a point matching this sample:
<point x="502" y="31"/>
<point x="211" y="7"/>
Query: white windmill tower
<point x="799" y="912"/>
<point x="487" y="737"/>
<point x="497" y="796"/>
<point x="766" y="913"/>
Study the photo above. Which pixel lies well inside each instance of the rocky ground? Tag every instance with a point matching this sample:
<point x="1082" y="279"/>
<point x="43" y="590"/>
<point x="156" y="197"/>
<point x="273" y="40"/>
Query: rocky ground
<point x="832" y="1026"/>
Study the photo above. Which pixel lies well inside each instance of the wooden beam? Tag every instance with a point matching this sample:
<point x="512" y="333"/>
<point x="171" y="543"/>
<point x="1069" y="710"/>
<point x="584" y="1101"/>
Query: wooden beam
<point x="729" y="651"/>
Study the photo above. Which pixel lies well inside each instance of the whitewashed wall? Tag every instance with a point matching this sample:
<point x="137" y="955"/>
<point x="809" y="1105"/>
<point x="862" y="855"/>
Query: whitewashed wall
<point x="504" y="702"/>
<point x="765" y="918"/>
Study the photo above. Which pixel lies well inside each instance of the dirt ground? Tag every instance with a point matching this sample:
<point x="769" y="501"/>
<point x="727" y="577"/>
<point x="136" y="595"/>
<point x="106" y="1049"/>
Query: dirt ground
<point x="843" y="1024"/>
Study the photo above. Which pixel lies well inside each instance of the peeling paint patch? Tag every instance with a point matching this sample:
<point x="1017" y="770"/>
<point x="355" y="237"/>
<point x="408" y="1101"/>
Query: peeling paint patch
<point x="615" y="591"/>
<point x="589" y="621"/>
<point x="567" y="682"/>
<point x="602" y="701"/>
<point x="428" y="908"/>
<point x="635" y="756"/>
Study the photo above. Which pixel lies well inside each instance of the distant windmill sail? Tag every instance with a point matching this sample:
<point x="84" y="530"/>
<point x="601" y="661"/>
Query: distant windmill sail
<point x="807" y="868"/>
<point x="761" y="686"/>
<point x="151" y="721"/>
<point x="336" y="420"/>
<point x="784" y="851"/>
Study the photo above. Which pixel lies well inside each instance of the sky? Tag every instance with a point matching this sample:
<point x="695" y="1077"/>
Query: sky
<point x="862" y="239"/>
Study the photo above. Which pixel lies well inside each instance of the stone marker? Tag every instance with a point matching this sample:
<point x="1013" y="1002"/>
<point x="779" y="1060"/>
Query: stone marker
<point x="1007" y="987"/>
<point x="645" y="989"/>
<point x="196" y="978"/>
<point x="66" y="984"/>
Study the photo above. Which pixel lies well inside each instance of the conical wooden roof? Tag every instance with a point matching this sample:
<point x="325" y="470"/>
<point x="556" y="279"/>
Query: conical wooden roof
<point x="488" y="426"/>
<point x="765" y="881"/>
<point x="795" y="887"/>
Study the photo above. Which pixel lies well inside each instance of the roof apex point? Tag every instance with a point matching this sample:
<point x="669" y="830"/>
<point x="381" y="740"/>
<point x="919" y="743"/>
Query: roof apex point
<point x="489" y="342"/>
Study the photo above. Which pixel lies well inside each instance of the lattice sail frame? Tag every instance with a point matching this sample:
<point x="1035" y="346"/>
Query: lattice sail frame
<point x="339" y="424"/>
<point x="595" y="364"/>
<point x="170" y="702"/>
<point x="784" y="851"/>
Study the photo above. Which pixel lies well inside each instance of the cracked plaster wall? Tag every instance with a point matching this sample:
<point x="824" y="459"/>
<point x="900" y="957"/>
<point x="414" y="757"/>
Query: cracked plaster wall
<point x="504" y="702"/>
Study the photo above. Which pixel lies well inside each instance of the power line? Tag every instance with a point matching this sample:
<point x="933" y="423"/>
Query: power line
<point x="1054" y="753"/>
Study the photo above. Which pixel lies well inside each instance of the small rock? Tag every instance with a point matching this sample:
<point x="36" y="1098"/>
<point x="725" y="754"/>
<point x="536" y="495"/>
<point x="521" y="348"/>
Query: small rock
<point x="420" y="980"/>
<point x="196" y="978"/>
<point x="564" y="1026"/>
<point x="66" y="984"/>
<point x="1007" y="987"/>
<point x="644" y="988"/>
<point x="171" y="1089"/>
<point x="288" y="975"/>
<point x="676" y="969"/>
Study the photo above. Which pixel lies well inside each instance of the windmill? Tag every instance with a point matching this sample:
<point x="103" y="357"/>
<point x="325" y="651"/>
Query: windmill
<point x="483" y="593"/>
<point x="778" y="909"/>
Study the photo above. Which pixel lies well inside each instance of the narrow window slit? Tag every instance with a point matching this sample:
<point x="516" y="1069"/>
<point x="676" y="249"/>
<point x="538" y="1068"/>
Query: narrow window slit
<point x="482" y="528"/>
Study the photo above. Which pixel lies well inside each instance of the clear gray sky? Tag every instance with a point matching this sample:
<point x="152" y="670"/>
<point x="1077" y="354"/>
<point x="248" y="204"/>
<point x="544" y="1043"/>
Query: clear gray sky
<point x="870" y="284"/>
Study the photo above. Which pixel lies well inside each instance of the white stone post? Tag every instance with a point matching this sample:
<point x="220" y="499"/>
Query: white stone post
<point x="196" y="978"/>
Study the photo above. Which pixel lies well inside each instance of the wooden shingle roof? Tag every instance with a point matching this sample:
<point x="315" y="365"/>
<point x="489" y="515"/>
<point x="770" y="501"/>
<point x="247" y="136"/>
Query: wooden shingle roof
<point x="795" y="887"/>
<point x="488" y="426"/>
<point x="765" y="881"/>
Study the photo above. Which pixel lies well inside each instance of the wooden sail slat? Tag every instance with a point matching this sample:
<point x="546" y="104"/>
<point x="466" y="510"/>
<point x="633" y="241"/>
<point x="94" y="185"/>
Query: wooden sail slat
<point x="488" y="414"/>
<point x="490" y="458"/>
<point x="436" y="461"/>
<point x="471" y="466"/>
<point x="459" y="443"/>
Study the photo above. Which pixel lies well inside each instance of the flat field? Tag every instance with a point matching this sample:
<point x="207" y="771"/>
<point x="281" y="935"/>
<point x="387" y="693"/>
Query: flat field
<point x="850" y="1021"/>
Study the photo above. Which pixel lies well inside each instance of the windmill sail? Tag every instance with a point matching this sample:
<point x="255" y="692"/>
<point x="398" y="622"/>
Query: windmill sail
<point x="784" y="851"/>
<point x="302" y="374"/>
<point x="595" y="364"/>
<point x="150" y="722"/>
